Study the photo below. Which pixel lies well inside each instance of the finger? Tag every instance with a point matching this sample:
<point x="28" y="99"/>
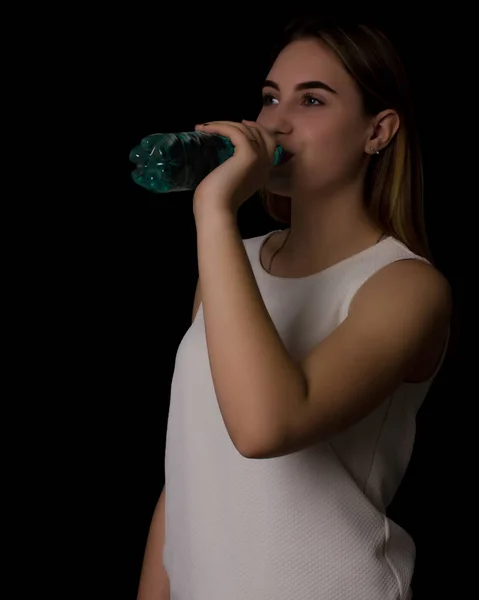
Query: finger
<point x="238" y="133"/>
<point x="268" y="140"/>
<point x="258" y="138"/>
<point x="239" y="126"/>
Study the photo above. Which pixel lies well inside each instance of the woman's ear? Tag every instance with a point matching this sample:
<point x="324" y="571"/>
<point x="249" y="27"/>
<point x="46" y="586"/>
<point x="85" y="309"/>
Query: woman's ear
<point x="385" y="127"/>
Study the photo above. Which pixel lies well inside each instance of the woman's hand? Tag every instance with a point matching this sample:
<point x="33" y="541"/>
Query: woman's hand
<point x="228" y="186"/>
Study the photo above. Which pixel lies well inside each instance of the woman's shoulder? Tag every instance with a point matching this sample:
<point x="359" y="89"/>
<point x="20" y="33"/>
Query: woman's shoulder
<point x="420" y="289"/>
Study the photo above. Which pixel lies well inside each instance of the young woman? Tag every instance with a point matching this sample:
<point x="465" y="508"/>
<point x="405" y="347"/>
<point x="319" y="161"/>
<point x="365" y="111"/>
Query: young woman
<point x="295" y="392"/>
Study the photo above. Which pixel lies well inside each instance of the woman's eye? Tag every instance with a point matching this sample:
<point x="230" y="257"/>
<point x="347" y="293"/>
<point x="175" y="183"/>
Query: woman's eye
<point x="268" y="99"/>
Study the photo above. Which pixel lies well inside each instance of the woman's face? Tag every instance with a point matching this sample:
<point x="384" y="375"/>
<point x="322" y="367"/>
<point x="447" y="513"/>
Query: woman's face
<point x="314" y="109"/>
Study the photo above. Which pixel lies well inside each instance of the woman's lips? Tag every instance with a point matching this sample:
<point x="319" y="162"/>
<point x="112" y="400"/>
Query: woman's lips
<point x="286" y="157"/>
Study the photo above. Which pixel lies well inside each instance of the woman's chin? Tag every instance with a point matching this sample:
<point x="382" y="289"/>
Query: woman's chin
<point x="279" y="183"/>
<point x="278" y="192"/>
<point x="279" y="186"/>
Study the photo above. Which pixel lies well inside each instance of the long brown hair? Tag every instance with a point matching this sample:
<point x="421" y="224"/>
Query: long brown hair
<point x="394" y="181"/>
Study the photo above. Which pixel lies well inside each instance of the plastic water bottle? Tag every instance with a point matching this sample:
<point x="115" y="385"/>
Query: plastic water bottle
<point x="177" y="162"/>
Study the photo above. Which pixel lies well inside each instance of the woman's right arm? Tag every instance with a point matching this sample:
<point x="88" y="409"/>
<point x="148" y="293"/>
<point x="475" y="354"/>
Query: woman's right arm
<point x="154" y="582"/>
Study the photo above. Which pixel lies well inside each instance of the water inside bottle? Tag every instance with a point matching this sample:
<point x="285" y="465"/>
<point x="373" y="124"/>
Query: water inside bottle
<point x="169" y="162"/>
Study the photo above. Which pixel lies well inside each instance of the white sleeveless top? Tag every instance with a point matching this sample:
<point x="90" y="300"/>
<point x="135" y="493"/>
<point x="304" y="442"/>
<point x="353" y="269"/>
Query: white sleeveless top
<point x="307" y="526"/>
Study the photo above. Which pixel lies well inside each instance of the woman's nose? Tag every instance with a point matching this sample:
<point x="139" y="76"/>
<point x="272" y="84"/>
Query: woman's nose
<point x="276" y="123"/>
